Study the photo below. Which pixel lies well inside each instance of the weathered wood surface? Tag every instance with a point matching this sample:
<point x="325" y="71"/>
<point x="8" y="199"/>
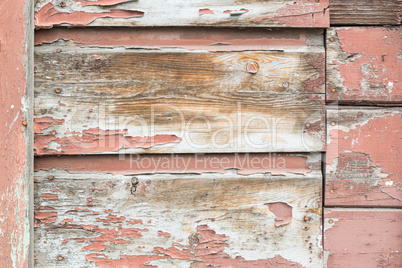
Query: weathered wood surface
<point x="364" y="64"/>
<point x="364" y="166"/>
<point x="93" y="100"/>
<point x="209" y="39"/>
<point x="365" y="12"/>
<point x="245" y="164"/>
<point x="367" y="238"/>
<point x="16" y="133"/>
<point x="228" y="13"/>
<point x="178" y="220"/>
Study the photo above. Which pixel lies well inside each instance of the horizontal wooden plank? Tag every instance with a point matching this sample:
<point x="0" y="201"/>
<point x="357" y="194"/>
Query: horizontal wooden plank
<point x="228" y="13"/>
<point x="368" y="237"/>
<point x="365" y="12"/>
<point x="208" y="39"/>
<point x="91" y="100"/>
<point x="245" y="164"/>
<point x="364" y="65"/>
<point x="172" y="220"/>
<point x="364" y="150"/>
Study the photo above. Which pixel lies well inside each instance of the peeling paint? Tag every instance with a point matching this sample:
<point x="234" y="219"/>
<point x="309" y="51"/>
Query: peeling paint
<point x="282" y="211"/>
<point x="363" y="156"/>
<point x="49" y="15"/>
<point x="97" y="140"/>
<point x="364" y="64"/>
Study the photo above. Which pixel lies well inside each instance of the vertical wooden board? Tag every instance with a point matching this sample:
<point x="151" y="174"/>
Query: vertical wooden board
<point x="178" y="220"/>
<point x="365" y="12"/>
<point x="367" y="238"/>
<point x="363" y="165"/>
<point x="364" y="64"/>
<point x="227" y="13"/>
<point x="16" y="133"/>
<point x="92" y="100"/>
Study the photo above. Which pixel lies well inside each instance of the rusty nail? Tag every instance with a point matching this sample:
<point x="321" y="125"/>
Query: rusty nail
<point x="51" y="177"/>
<point x="332" y="191"/>
<point x="331" y="39"/>
<point x="91" y="110"/>
<point x="24" y="123"/>
<point x="193" y="239"/>
<point x="60" y="258"/>
<point x="331" y="221"/>
<point x="58" y="90"/>
<point x="333" y="90"/>
<point x="58" y="50"/>
<point x="62" y="4"/>
<point x="308" y="125"/>
<point x="53" y="132"/>
<point x="332" y="123"/>
<point x="306" y="218"/>
<point x="134" y="181"/>
<point x="63" y="223"/>
<point x="63" y="72"/>
<point x="252" y="67"/>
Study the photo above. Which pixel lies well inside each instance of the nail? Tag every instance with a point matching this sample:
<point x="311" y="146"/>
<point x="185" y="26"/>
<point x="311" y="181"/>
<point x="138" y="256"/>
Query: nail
<point x="58" y="50"/>
<point x="252" y="67"/>
<point x="332" y="123"/>
<point x="51" y="177"/>
<point x="58" y="90"/>
<point x="308" y="125"/>
<point x="24" y="123"/>
<point x="331" y="221"/>
<point x="60" y="258"/>
<point x="333" y="90"/>
<point x="331" y="39"/>
<point x="53" y="132"/>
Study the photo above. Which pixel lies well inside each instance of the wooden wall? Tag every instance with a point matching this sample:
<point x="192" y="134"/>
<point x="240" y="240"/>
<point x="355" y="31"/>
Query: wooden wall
<point x="270" y="138"/>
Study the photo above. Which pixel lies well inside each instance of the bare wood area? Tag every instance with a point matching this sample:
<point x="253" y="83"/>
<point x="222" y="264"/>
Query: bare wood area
<point x="365" y="12"/>
<point x="93" y="100"/>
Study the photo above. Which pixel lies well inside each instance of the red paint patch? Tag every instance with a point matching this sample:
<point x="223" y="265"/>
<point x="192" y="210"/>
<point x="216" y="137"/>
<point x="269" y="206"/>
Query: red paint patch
<point x="282" y="211"/>
<point x="48" y="196"/>
<point x="42" y="123"/>
<point x="94" y="140"/>
<point x="160" y="233"/>
<point x="302" y="12"/>
<point x="276" y="164"/>
<point x="46" y="217"/>
<point x="102" y="2"/>
<point x="205" y="11"/>
<point x="48" y="16"/>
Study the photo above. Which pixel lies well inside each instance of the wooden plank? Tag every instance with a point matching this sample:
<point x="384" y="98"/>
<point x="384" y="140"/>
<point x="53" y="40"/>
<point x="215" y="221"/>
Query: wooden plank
<point x="178" y="220"/>
<point x="363" y="157"/>
<point x="364" y="65"/>
<point x="365" y="12"/>
<point x="96" y="100"/>
<point x="368" y="237"/>
<point x="16" y="133"/>
<point x="228" y="13"/>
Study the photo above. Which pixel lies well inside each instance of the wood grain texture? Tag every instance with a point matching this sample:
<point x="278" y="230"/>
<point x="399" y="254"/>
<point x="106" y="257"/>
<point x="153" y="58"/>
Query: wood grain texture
<point x="92" y="100"/>
<point x="364" y="165"/>
<point x="179" y="220"/>
<point x="364" y="65"/>
<point x="365" y="12"/>
<point x="367" y="238"/>
<point x="228" y="13"/>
